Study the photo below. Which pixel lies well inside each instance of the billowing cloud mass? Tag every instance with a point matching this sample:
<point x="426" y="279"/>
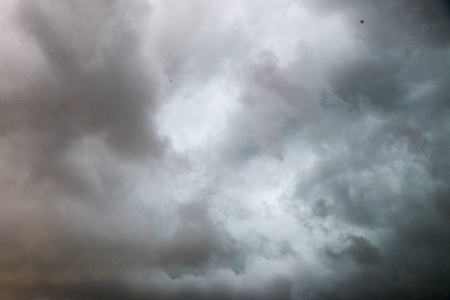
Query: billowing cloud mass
<point x="244" y="149"/>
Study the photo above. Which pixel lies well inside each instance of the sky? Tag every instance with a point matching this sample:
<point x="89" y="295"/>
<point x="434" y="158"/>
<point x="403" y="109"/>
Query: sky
<point x="224" y="149"/>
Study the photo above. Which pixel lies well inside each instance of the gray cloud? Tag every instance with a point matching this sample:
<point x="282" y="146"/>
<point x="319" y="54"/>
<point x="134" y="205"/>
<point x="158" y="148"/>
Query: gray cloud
<point x="296" y="154"/>
<point x="360" y="250"/>
<point x="321" y="208"/>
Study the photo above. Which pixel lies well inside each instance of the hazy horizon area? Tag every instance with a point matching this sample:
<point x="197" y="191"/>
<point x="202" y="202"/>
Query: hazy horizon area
<point x="224" y="149"/>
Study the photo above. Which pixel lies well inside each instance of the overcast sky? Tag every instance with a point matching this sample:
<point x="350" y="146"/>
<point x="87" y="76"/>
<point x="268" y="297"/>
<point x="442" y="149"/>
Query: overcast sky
<point x="224" y="149"/>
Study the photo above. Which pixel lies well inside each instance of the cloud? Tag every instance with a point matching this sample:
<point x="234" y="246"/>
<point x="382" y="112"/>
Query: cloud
<point x="226" y="150"/>
<point x="360" y="250"/>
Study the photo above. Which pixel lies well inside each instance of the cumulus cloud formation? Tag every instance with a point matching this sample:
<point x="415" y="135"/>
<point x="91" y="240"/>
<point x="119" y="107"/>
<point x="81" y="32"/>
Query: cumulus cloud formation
<point x="281" y="149"/>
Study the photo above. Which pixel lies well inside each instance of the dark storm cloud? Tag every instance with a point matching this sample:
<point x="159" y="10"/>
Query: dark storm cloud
<point x="360" y="250"/>
<point x="383" y="163"/>
<point x="401" y="16"/>
<point x="277" y="101"/>
<point x="196" y="242"/>
<point x="94" y="204"/>
<point x="321" y="208"/>
<point x="83" y="76"/>
<point x="77" y="113"/>
<point x="98" y="84"/>
<point x="407" y="43"/>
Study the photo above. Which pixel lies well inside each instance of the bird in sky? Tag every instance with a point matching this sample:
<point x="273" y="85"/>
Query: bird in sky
<point x="362" y="21"/>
